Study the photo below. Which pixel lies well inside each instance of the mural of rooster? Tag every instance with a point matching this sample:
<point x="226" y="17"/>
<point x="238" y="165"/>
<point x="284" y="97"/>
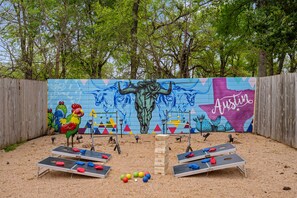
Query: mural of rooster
<point x="60" y="113"/>
<point x="70" y="125"/>
<point x="50" y="118"/>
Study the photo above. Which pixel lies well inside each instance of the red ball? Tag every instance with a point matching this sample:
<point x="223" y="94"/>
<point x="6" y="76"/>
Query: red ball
<point x="125" y="179"/>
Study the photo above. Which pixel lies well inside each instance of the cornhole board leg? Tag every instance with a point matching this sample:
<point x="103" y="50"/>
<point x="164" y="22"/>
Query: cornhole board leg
<point x="242" y="169"/>
<point x="41" y="172"/>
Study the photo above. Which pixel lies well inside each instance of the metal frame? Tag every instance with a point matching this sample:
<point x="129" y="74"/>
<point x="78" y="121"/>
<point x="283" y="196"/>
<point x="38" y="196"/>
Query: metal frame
<point x="117" y="146"/>
<point x="189" y="148"/>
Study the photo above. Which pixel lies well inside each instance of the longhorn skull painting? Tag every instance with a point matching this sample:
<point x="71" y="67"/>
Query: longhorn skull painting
<point x="146" y="92"/>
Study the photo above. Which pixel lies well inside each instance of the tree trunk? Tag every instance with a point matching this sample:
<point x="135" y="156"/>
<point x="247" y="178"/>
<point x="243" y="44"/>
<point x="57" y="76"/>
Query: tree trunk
<point x="262" y="64"/>
<point x="271" y="69"/>
<point x="134" y="58"/>
<point x="58" y="52"/>
<point x="293" y="65"/>
<point x="281" y="63"/>
<point x="63" y="57"/>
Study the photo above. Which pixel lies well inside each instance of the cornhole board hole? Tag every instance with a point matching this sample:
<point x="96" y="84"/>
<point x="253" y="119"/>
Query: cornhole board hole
<point x="81" y="154"/>
<point x="221" y="149"/>
<point x="222" y="162"/>
<point x="70" y="166"/>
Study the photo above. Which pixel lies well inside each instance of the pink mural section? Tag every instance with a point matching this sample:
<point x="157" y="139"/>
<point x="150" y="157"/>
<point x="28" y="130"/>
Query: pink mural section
<point x="235" y="105"/>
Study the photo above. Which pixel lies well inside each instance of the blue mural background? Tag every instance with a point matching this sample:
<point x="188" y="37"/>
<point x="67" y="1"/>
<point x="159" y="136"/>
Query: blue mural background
<point x="189" y="100"/>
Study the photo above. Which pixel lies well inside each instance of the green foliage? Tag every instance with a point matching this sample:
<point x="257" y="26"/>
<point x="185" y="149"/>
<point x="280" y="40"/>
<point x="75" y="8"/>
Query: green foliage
<point x="12" y="146"/>
<point x="93" y="39"/>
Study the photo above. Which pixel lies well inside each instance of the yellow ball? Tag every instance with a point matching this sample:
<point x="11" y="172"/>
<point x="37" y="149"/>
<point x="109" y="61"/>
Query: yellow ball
<point x="129" y="176"/>
<point x="141" y="174"/>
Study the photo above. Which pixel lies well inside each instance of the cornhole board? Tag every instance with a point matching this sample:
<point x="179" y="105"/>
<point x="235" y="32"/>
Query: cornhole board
<point x="221" y="149"/>
<point x="222" y="162"/>
<point x="70" y="166"/>
<point x="88" y="155"/>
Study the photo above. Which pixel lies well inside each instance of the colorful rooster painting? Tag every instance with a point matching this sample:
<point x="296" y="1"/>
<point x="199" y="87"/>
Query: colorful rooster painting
<point x="70" y="125"/>
<point x="60" y="113"/>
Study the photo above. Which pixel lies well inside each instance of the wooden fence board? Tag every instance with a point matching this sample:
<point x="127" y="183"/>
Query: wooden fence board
<point x="2" y="115"/>
<point x="24" y="110"/>
<point x="276" y="102"/>
<point x="295" y="99"/>
<point x="256" y="103"/>
<point x="275" y="114"/>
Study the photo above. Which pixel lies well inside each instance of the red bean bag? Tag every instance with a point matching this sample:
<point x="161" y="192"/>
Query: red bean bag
<point x="212" y="149"/>
<point x="190" y="155"/>
<point x="98" y="167"/>
<point x="213" y="160"/>
<point x="80" y="170"/>
<point x="75" y="150"/>
<point x="59" y="163"/>
<point x="104" y="157"/>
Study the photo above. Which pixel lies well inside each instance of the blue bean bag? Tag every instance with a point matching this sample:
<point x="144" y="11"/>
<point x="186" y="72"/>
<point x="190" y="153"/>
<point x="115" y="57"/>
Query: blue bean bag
<point x="205" y="160"/>
<point x="80" y="163"/>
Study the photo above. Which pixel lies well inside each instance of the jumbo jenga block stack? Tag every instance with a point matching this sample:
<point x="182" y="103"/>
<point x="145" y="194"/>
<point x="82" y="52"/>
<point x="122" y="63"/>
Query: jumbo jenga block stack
<point x="161" y="154"/>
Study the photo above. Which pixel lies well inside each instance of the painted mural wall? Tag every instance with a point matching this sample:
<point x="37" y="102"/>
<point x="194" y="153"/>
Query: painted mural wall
<point x="154" y="106"/>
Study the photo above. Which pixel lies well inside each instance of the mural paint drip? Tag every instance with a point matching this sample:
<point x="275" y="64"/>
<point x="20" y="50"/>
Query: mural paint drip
<point x="226" y="104"/>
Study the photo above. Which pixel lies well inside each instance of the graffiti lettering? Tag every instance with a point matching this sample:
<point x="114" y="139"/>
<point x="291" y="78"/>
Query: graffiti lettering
<point x="231" y="103"/>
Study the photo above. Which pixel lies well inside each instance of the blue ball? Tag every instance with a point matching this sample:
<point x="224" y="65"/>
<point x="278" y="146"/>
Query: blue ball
<point x="145" y="179"/>
<point x="148" y="176"/>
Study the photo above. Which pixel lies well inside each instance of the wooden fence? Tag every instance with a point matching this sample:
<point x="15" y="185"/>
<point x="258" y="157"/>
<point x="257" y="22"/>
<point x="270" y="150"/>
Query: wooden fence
<point x="23" y="110"/>
<point x="276" y="108"/>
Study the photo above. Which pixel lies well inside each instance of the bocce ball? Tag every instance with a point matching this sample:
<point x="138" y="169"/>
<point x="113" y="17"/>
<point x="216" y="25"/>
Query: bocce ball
<point x="129" y="176"/>
<point x="141" y="174"/>
<point x="125" y="179"/>
<point x="135" y="174"/>
<point x="148" y="176"/>
<point x="122" y="176"/>
<point x="145" y="179"/>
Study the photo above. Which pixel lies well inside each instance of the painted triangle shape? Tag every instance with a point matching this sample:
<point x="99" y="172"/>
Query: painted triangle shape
<point x="187" y="125"/>
<point x="127" y="128"/>
<point x="172" y="129"/>
<point x="96" y="131"/>
<point x="203" y="80"/>
<point x="105" y="131"/>
<point x="157" y="128"/>
<point x="101" y="125"/>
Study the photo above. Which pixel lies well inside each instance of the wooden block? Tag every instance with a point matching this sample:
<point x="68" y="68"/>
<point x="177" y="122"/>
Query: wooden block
<point x="162" y="155"/>
<point x="161" y="143"/>
<point x="161" y="170"/>
<point x="162" y="150"/>
<point x="161" y="137"/>
<point x="161" y="164"/>
<point x="161" y="160"/>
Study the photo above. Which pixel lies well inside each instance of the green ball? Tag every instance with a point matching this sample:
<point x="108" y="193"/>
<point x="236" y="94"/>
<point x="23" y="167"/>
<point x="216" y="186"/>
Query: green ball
<point x="122" y="176"/>
<point x="135" y="174"/>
